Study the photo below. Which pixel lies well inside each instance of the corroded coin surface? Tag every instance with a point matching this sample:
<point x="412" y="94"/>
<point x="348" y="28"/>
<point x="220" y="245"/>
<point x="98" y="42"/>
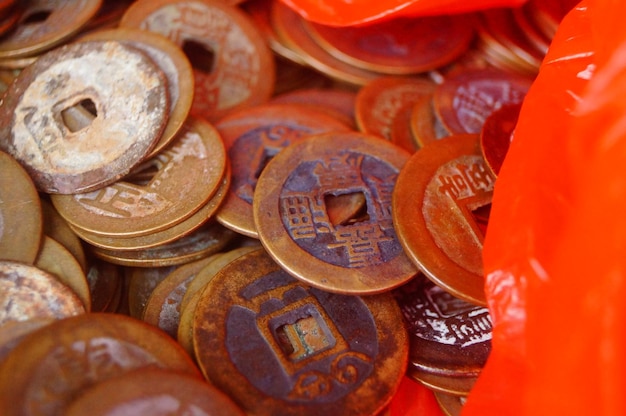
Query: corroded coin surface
<point x="121" y="97"/>
<point x="291" y="214"/>
<point x="279" y="347"/>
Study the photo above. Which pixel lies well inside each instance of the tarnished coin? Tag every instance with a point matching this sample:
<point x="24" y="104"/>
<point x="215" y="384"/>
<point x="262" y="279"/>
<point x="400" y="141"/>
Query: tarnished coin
<point x="291" y="214"/>
<point x="233" y="66"/>
<point x="174" y="64"/>
<point x="56" y="227"/>
<point x="141" y="283"/>
<point x="467" y="98"/>
<point x="279" y="347"/>
<point x="496" y="135"/>
<point x="378" y="102"/>
<point x="153" y="391"/>
<point x="55" y="364"/>
<point x="441" y="205"/>
<point x="399" y="46"/>
<point x="449" y="339"/>
<point x="58" y="261"/>
<point x="252" y="137"/>
<point x="119" y="92"/>
<point x="187" y="174"/>
<point x="44" y="24"/>
<point x="21" y="221"/>
<point x="27" y="292"/>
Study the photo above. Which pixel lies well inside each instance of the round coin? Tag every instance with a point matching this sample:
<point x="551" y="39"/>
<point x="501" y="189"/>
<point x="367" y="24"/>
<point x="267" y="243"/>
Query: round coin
<point x="440" y="209"/>
<point x="118" y="91"/>
<point x="291" y="214"/>
<point x="279" y="347"/>
<point x="21" y="221"/>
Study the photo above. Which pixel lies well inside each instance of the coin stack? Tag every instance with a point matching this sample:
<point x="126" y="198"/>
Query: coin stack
<point x="221" y="207"/>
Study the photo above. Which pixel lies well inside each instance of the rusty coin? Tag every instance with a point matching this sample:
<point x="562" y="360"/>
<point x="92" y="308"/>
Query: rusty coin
<point x="279" y="347"/>
<point x="291" y="214"/>
<point x="440" y="209"/>
<point x="496" y="135"/>
<point x="67" y="155"/>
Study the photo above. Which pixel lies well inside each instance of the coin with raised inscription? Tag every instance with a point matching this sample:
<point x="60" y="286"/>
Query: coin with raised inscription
<point x="83" y="115"/>
<point x="290" y="209"/>
<point x="53" y="365"/>
<point x="233" y="66"/>
<point x="441" y="205"/>
<point x="280" y="347"/>
<point x="449" y="339"/>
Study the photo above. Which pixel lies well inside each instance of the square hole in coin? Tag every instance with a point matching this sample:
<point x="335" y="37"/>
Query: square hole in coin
<point x="302" y="334"/>
<point x="200" y="55"/>
<point x="80" y="115"/>
<point x="345" y="209"/>
<point x="37" y="17"/>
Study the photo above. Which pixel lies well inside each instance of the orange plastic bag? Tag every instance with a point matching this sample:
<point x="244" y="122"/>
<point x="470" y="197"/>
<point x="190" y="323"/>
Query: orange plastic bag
<point x="554" y="254"/>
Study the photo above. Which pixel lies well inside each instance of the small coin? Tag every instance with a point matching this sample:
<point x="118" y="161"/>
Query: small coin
<point x="39" y="108"/>
<point x="277" y="346"/>
<point x="496" y="135"/>
<point x="153" y="391"/>
<point x="21" y="221"/>
<point x="291" y="214"/>
<point x="440" y="209"/>
<point x="55" y="364"/>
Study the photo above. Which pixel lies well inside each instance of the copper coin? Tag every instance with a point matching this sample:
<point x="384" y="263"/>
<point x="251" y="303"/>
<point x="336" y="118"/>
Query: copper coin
<point x="153" y="391"/>
<point x="56" y="227"/>
<point x="291" y="216"/>
<point x="35" y="109"/>
<point x="279" y="347"/>
<point x="187" y="174"/>
<point x="55" y="364"/>
<point x="337" y="102"/>
<point x="174" y="64"/>
<point x="252" y="137"/>
<point x="496" y="135"/>
<point x="466" y="99"/>
<point x="20" y="213"/>
<point x="105" y="285"/>
<point x="202" y="242"/>
<point x="45" y="24"/>
<point x="399" y="46"/>
<point x="233" y="66"/>
<point x="440" y="209"/>
<point x="449" y="339"/>
<point x="58" y="261"/>
<point x="27" y="292"/>
<point x="290" y="28"/>
<point x="378" y="102"/>
<point x="451" y="404"/>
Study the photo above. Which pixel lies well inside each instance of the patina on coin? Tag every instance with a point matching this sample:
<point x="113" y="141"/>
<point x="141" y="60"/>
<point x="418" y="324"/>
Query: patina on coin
<point x="279" y="347"/>
<point x="291" y="214"/>
<point x="128" y="93"/>
<point x="441" y="206"/>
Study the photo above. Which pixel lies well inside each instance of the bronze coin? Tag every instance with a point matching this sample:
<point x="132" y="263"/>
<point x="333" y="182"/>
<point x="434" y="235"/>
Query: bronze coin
<point x="291" y="216"/>
<point x="466" y="99"/>
<point x="46" y="23"/>
<point x="398" y="46"/>
<point x="440" y="204"/>
<point x="21" y="221"/>
<point x="141" y="283"/>
<point x="37" y="109"/>
<point x="27" y="292"/>
<point x="56" y="227"/>
<point x="449" y="339"/>
<point x="175" y="66"/>
<point x="378" y="102"/>
<point x="252" y="137"/>
<point x="153" y="391"/>
<point x="496" y="135"/>
<point x="233" y="66"/>
<point x="187" y="174"/>
<point x="55" y="364"/>
<point x="279" y="347"/>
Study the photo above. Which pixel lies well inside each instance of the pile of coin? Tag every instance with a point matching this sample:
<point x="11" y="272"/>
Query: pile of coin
<point x="295" y="212"/>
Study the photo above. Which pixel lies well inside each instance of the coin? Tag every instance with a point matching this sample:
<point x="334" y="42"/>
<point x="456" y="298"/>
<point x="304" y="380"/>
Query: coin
<point x="425" y="127"/>
<point x="20" y="213"/>
<point x="280" y="347"/>
<point x="337" y="102"/>
<point x="56" y="227"/>
<point x="55" y="364"/>
<point x="233" y="66"/>
<point x="12" y="333"/>
<point x="440" y="202"/>
<point x="141" y="283"/>
<point x="187" y="174"/>
<point x="36" y="123"/>
<point x="252" y="137"/>
<point x="496" y="135"/>
<point x="153" y="391"/>
<point x="291" y="216"/>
